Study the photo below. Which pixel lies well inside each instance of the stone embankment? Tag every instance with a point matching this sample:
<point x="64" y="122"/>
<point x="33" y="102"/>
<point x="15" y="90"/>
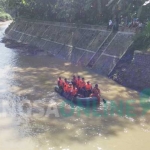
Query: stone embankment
<point x="87" y="45"/>
<point x="90" y="46"/>
<point x="136" y="73"/>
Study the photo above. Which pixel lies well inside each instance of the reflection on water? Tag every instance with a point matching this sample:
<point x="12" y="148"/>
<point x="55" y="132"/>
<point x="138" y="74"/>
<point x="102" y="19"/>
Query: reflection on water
<point x="32" y="78"/>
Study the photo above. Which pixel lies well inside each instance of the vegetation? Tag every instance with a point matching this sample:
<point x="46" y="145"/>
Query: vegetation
<point x="84" y="11"/>
<point x="142" y="39"/>
<point x="3" y="15"/>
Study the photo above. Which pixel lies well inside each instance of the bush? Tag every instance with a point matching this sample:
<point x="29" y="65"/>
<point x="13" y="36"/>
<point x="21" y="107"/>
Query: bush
<point x="4" y="16"/>
<point x="142" y="39"/>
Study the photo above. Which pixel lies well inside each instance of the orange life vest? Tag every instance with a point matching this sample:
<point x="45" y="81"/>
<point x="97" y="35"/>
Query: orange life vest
<point x="74" y="91"/>
<point x="82" y="84"/>
<point x="60" y="82"/>
<point x="65" y="86"/>
<point x="69" y="88"/>
<point x="88" y="86"/>
<point x="78" y="82"/>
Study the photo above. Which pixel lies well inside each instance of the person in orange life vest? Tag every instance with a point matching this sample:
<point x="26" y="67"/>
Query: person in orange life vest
<point x="78" y="81"/>
<point x="69" y="90"/>
<point x="82" y="87"/>
<point x="74" y="91"/>
<point x="74" y="80"/>
<point x="82" y="84"/>
<point x="60" y="84"/>
<point x="69" y="87"/>
<point x="88" y="88"/>
<point x="96" y="92"/>
<point x="65" y="85"/>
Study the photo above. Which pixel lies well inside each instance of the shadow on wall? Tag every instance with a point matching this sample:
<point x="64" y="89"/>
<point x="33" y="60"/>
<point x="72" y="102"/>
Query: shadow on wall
<point x="134" y="74"/>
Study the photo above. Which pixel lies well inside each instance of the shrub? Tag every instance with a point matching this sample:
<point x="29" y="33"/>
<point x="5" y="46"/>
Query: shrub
<point x="142" y="39"/>
<point x="4" y="16"/>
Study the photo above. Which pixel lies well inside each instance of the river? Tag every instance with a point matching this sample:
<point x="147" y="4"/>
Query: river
<point x="28" y="81"/>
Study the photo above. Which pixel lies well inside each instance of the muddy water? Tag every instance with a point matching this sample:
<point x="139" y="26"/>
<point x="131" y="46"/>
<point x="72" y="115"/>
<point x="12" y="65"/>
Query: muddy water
<point x="25" y="80"/>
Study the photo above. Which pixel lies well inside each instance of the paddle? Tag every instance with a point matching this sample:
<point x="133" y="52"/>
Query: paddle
<point x="104" y="101"/>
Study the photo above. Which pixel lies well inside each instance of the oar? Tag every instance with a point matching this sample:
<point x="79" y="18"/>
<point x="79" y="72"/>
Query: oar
<point x="104" y="101"/>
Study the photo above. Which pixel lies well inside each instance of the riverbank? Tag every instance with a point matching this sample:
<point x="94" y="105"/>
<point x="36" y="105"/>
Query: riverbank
<point x="125" y="73"/>
<point x="6" y="22"/>
<point x="83" y="45"/>
<point x="133" y="71"/>
<point x="23" y="49"/>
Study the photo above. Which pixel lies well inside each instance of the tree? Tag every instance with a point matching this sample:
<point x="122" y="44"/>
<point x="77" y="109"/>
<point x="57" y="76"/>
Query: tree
<point x="86" y="11"/>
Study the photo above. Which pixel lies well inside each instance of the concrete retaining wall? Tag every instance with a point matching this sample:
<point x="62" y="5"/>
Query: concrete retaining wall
<point x="137" y="73"/>
<point x="113" y="53"/>
<point x="77" y="44"/>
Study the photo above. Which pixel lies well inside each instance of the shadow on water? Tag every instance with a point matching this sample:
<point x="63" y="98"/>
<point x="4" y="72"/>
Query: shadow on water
<point x="84" y="124"/>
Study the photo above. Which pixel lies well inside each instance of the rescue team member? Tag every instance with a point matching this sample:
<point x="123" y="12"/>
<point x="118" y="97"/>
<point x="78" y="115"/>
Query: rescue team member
<point x="82" y="83"/>
<point x="74" y="80"/>
<point x="78" y="82"/>
<point x="65" y="85"/>
<point x="96" y="92"/>
<point x="88" y="88"/>
<point x="74" y="91"/>
<point x="60" y="84"/>
<point x="82" y="87"/>
<point x="68" y="90"/>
